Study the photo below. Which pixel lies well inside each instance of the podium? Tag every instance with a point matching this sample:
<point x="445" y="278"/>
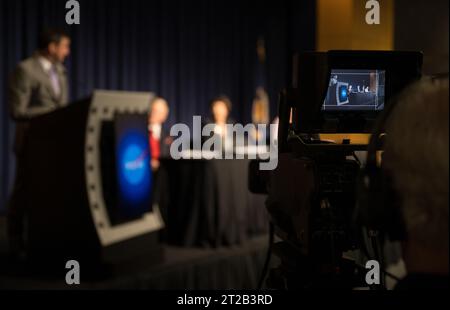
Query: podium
<point x="76" y="208"/>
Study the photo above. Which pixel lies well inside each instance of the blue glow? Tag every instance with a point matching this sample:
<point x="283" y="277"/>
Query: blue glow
<point x="134" y="169"/>
<point x="135" y="175"/>
<point x="343" y="94"/>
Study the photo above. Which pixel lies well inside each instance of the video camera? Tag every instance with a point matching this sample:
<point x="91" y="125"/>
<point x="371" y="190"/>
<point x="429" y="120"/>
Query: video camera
<point x="312" y="193"/>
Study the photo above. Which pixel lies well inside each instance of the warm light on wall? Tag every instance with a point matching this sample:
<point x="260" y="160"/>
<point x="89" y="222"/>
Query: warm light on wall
<point x="354" y="138"/>
<point x="341" y="24"/>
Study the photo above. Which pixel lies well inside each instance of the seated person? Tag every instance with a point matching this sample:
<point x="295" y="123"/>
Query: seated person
<point x="160" y="140"/>
<point x="416" y="157"/>
<point x="220" y="111"/>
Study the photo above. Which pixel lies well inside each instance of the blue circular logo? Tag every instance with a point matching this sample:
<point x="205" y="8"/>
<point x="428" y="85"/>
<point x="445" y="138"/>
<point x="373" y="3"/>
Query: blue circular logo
<point x="134" y="164"/>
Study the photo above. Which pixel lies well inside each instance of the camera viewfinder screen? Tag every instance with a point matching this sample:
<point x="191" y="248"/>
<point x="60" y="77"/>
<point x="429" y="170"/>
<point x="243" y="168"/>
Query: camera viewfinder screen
<point x="355" y="90"/>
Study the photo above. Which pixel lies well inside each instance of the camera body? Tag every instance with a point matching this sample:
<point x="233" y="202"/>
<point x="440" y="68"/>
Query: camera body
<point x="312" y="193"/>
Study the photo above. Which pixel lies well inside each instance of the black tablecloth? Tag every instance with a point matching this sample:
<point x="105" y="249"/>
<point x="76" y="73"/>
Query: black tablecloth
<point x="207" y="203"/>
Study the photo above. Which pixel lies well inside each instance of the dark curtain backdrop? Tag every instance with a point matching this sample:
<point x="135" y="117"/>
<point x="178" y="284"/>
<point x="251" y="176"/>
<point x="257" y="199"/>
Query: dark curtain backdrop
<point x="187" y="51"/>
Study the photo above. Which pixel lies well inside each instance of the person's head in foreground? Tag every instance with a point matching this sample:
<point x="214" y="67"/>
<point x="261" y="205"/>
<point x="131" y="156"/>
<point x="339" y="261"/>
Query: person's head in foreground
<point x="416" y="157"/>
<point x="159" y="111"/>
<point x="54" y="45"/>
<point x="220" y="109"/>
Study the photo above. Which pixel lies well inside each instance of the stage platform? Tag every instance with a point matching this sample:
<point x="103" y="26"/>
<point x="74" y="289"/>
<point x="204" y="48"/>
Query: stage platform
<point x="235" y="267"/>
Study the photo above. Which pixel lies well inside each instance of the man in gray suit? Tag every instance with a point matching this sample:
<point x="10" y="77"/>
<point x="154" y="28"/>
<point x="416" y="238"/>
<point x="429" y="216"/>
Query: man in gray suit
<point x="37" y="86"/>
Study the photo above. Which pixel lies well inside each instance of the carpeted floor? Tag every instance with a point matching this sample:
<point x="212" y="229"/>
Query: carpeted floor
<point x="237" y="267"/>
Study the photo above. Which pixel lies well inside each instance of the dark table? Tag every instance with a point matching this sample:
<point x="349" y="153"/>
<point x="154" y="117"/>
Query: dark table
<point x="207" y="203"/>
